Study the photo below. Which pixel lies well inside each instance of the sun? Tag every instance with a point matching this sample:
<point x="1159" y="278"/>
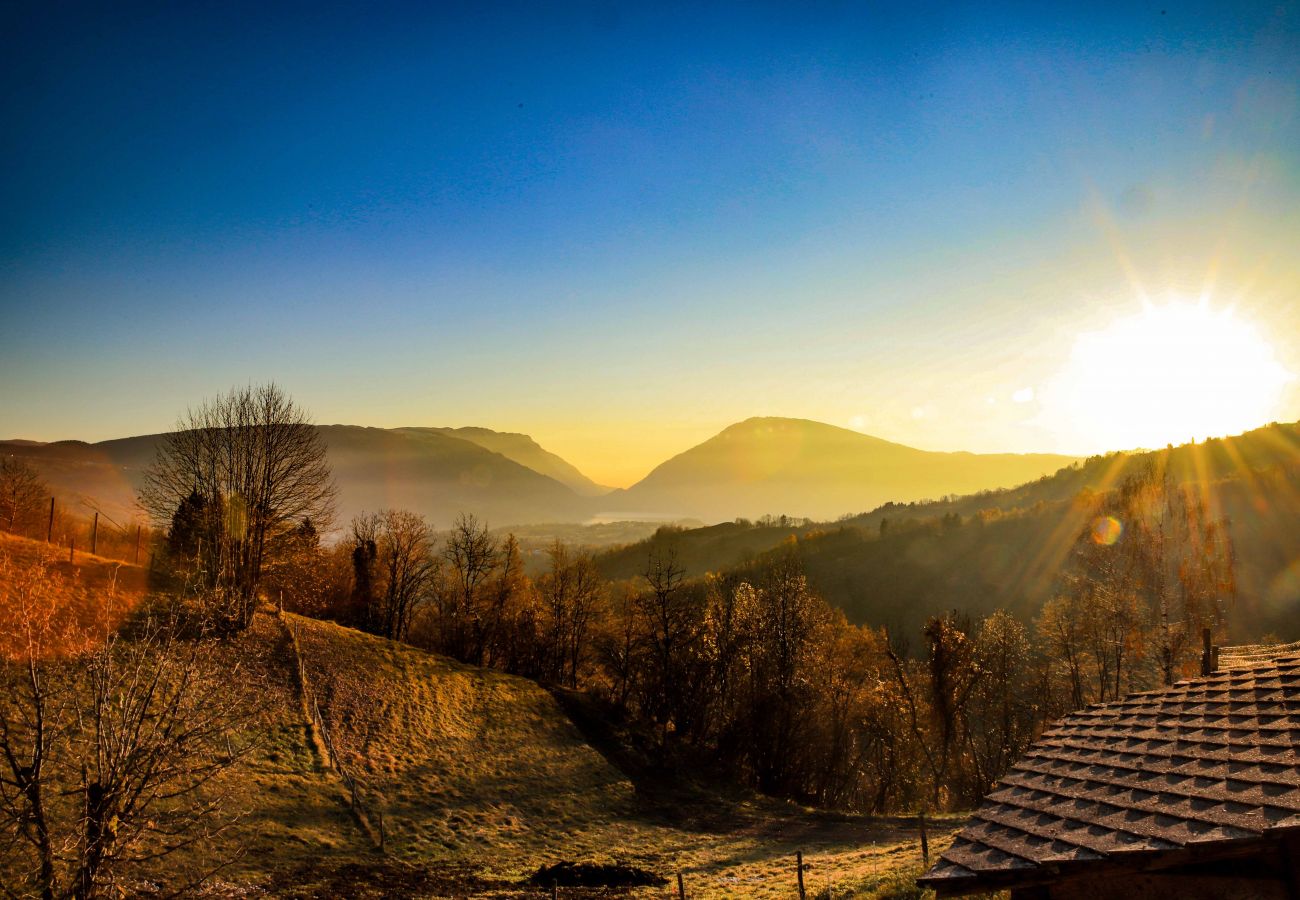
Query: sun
<point x="1169" y="374"/>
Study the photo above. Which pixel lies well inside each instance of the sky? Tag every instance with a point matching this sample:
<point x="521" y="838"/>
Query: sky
<point x="620" y="228"/>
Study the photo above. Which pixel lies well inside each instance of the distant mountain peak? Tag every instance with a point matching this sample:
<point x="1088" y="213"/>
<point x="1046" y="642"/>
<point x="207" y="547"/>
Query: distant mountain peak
<point x="801" y="467"/>
<point x="759" y="426"/>
<point x="522" y="449"/>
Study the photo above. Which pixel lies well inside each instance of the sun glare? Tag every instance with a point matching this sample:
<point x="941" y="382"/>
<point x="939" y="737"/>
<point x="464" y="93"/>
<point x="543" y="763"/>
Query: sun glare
<point x="1170" y="374"/>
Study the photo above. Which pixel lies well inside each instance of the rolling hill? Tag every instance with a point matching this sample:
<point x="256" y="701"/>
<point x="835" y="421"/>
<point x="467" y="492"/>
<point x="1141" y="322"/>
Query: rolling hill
<point x="436" y="474"/>
<point x="812" y="470"/>
<point x="1004" y="549"/>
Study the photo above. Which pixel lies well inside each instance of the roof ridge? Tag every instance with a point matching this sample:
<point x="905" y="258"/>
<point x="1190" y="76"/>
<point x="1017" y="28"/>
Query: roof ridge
<point x="1226" y="675"/>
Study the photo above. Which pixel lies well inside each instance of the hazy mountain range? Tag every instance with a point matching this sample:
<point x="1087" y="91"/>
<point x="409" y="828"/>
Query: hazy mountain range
<point x="794" y="467"/>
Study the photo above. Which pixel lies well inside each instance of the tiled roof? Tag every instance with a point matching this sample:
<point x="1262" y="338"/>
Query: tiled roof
<point x="1196" y="765"/>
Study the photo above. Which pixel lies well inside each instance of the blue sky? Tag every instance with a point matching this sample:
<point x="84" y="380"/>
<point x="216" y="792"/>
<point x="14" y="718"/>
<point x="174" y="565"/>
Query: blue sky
<point x="621" y="227"/>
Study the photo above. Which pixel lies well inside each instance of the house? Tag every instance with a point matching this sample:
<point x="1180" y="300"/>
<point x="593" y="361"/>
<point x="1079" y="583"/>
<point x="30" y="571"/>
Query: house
<point x="1192" y="791"/>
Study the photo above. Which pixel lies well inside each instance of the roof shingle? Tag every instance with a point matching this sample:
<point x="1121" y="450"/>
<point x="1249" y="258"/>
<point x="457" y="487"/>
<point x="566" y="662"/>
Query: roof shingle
<point x="1202" y="762"/>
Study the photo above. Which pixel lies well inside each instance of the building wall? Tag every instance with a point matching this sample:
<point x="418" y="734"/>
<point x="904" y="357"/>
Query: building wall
<point x="1246" y="885"/>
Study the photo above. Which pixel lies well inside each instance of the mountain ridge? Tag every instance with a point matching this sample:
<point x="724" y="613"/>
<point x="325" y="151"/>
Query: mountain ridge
<point x="811" y="469"/>
<point x="523" y="449"/>
<point x="761" y="465"/>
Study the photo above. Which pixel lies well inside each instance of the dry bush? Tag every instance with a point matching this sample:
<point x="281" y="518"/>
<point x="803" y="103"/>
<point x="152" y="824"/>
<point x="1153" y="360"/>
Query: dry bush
<point x="114" y="734"/>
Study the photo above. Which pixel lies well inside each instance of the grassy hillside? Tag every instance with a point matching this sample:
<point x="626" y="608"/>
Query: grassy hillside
<point x="481" y="779"/>
<point x="478" y="768"/>
<point x="294" y="810"/>
<point x="94" y="572"/>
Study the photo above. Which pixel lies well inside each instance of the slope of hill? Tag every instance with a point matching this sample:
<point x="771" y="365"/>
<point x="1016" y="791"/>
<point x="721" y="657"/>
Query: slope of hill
<point x="95" y="573"/>
<point x="1004" y="549"/>
<point x="527" y="452"/>
<point x="809" y="469"/>
<point x="481" y="779"/>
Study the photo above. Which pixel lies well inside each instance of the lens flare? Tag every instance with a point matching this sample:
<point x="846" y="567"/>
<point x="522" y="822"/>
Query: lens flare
<point x="1106" y="530"/>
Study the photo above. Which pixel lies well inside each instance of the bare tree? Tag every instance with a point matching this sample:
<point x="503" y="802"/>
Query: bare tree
<point x="395" y="548"/>
<point x="112" y="743"/>
<point x="570" y="591"/>
<point x="245" y="469"/>
<point x="22" y="493"/>
<point x="471" y="557"/>
<point x="167" y="717"/>
<point x="508" y="588"/>
<point x="40" y="625"/>
<point x="667" y="613"/>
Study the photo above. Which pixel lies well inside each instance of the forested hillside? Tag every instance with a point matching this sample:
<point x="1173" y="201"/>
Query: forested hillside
<point x="900" y="563"/>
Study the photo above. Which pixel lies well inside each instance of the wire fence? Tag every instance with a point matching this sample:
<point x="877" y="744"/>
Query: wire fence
<point x="371" y="819"/>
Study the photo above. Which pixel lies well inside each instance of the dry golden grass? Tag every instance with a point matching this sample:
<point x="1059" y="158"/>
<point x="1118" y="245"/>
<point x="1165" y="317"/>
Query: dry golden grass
<point x="92" y="572"/>
<point x="481" y="768"/>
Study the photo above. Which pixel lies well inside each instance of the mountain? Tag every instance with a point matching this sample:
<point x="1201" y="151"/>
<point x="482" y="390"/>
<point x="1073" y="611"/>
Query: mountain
<point x="759" y="466"/>
<point x="903" y="562"/>
<point x="103" y="476"/>
<point x="440" y="476"/>
<point x="527" y="452"/>
<point x="813" y="470"/>
<point x="435" y="474"/>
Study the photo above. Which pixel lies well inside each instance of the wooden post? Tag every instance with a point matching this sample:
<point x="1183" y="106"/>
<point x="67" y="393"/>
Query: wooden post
<point x="49" y="530"/>
<point x="925" y="841"/>
<point x="1207" y="652"/>
<point x="94" y="534"/>
<point x="681" y="887"/>
<point x="136" y="561"/>
<point x="798" y="860"/>
<point x="555" y="889"/>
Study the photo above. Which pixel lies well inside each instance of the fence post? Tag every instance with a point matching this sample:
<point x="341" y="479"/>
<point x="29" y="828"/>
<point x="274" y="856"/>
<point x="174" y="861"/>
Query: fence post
<point x="681" y="887"/>
<point x="94" y="535"/>
<point x="925" y="841"/>
<point x="1207" y="652"/>
<point x="49" y="529"/>
<point x="798" y="859"/>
